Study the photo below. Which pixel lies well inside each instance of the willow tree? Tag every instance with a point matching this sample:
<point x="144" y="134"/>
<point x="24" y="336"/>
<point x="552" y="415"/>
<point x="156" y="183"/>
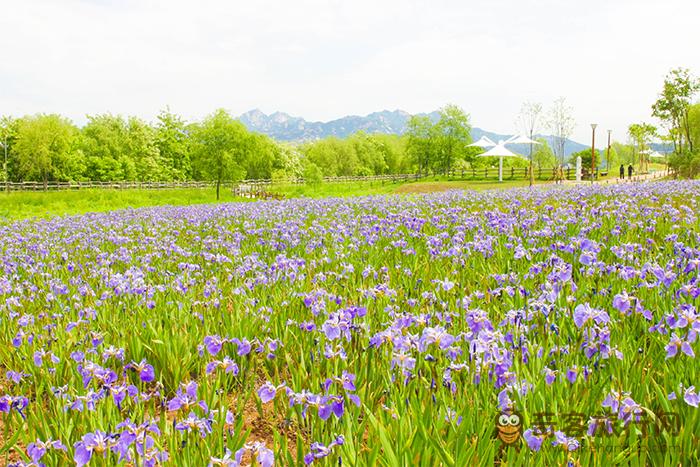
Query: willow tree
<point x="45" y="148"/>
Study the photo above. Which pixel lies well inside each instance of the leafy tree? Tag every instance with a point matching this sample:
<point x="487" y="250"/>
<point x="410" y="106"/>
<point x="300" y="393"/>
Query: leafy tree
<point x="45" y="148"/>
<point x="586" y="160"/>
<point x="142" y="152"/>
<point x="642" y="134"/>
<point x="8" y="136"/>
<point x="260" y="156"/>
<point x="105" y="148"/>
<point x="694" y="125"/>
<point x="452" y="134"/>
<point x="543" y="156"/>
<point x="624" y="153"/>
<point x="218" y="148"/>
<point x="312" y="174"/>
<point x="673" y="106"/>
<point x="172" y="141"/>
<point x="419" y="147"/>
<point x="372" y="153"/>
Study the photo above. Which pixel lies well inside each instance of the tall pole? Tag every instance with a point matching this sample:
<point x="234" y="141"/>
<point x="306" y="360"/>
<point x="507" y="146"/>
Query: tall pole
<point x="532" y="175"/>
<point x="593" y="125"/>
<point x="607" y="157"/>
<point x="4" y="166"/>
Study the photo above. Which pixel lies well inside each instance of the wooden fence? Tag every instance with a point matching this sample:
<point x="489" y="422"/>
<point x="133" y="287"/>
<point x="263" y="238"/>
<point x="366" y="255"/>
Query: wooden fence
<point x="263" y="185"/>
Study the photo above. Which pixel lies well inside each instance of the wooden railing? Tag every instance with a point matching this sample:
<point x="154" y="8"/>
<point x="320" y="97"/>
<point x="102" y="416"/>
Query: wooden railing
<point x="509" y="173"/>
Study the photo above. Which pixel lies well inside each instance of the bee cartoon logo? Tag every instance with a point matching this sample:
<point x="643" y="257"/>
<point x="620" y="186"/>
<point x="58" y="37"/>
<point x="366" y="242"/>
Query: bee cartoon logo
<point x="508" y="428"/>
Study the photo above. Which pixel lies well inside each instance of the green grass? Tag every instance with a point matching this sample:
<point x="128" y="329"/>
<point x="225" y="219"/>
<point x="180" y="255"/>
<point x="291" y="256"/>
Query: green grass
<point x="326" y="190"/>
<point x="20" y="205"/>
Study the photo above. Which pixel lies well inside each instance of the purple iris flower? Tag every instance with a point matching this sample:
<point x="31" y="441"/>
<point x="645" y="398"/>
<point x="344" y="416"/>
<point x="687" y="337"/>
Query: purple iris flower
<point x="227" y="461"/>
<point x="677" y="344"/>
<point x="15" y="377"/>
<point x="145" y="371"/>
<point x="228" y="365"/>
<point x="584" y="313"/>
<point x="268" y="391"/>
<point x="193" y="422"/>
<point x="504" y="401"/>
<point x="9" y="403"/>
<point x="691" y="397"/>
<point x="213" y="344"/>
<point x="186" y="397"/>
<point x="264" y="456"/>
<point x="550" y="375"/>
<point x="98" y="442"/>
<point x="534" y="441"/>
<point x="622" y="302"/>
<point x="319" y="451"/>
<point x="37" y="449"/>
<point x="569" y="443"/>
<point x="121" y="392"/>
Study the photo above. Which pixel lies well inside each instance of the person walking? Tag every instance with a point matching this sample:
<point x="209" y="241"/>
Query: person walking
<point x="622" y="171"/>
<point x="629" y="171"/>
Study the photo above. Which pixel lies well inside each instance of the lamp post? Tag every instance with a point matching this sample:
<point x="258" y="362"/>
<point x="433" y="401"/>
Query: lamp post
<point x="593" y="125"/>
<point x="4" y="166"/>
<point x="532" y="175"/>
<point x="607" y="157"/>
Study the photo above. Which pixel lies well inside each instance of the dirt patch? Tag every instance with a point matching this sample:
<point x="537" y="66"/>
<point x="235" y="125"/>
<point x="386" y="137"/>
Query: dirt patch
<point x="426" y="187"/>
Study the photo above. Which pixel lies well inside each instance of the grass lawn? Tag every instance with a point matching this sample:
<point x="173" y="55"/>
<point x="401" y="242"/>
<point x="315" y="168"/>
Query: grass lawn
<point x="21" y="205"/>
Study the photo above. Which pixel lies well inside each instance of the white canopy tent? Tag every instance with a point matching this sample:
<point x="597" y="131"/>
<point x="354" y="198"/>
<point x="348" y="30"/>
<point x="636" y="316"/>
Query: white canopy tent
<point x="500" y="151"/>
<point x="521" y="139"/>
<point x="483" y="142"/>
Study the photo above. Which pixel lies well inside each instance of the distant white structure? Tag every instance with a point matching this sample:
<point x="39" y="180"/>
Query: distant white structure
<point x="499" y="150"/>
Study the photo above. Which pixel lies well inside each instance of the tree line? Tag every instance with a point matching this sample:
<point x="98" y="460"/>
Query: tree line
<point x="48" y="147"/>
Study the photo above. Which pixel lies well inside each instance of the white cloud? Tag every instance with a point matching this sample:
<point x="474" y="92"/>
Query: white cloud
<point x="324" y="59"/>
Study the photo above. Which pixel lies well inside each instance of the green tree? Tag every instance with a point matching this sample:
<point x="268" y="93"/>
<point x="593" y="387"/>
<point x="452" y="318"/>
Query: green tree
<point x="172" y="141"/>
<point x="542" y="155"/>
<point x="694" y="125"/>
<point x="641" y="134"/>
<point x="586" y="160"/>
<point x="104" y="145"/>
<point x="142" y="151"/>
<point x="452" y="133"/>
<point x="673" y="106"/>
<point x="218" y="148"/>
<point x="419" y="145"/>
<point x="45" y="148"/>
<point x="260" y="156"/>
<point x="312" y="174"/>
<point x="8" y="136"/>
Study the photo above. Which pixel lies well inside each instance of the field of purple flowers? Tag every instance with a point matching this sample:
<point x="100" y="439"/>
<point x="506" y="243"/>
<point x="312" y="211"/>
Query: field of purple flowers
<point x="523" y="327"/>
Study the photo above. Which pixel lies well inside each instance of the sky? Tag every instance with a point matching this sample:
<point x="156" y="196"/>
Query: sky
<point x="322" y="60"/>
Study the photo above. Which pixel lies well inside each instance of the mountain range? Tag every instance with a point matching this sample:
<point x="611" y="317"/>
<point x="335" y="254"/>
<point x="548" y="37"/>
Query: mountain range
<point x="284" y="127"/>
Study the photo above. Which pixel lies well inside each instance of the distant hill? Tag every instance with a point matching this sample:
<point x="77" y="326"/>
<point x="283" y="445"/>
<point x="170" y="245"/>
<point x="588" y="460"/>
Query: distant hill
<point x="284" y="127"/>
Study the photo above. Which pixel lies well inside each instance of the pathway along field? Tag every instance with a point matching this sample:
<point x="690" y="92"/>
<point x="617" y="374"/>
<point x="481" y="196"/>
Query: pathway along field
<point x="527" y="327"/>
